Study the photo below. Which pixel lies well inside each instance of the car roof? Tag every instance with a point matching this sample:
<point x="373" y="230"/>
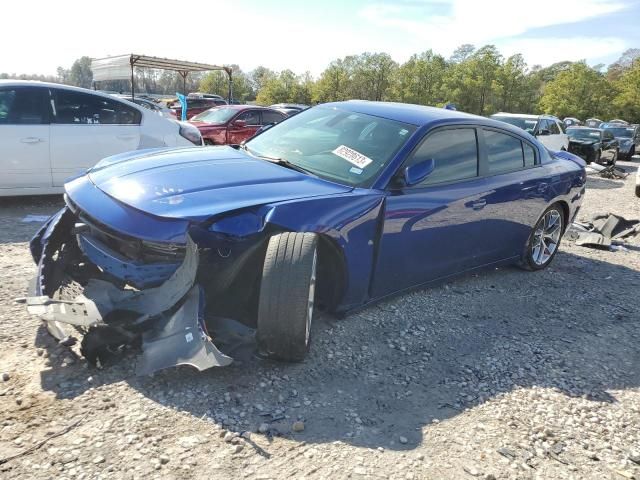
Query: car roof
<point x="527" y="115"/>
<point x="418" y="115"/>
<point x="60" y="86"/>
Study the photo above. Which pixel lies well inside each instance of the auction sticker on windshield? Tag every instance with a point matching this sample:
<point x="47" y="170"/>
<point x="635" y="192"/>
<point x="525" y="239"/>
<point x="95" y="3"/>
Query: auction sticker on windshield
<point x="352" y="156"/>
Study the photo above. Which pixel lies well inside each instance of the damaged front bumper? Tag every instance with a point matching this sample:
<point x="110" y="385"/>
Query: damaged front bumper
<point x="117" y="306"/>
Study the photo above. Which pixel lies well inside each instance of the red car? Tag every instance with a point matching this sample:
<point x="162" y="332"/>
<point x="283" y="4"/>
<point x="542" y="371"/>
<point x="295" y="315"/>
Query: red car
<point x="233" y="124"/>
<point x="196" y="106"/>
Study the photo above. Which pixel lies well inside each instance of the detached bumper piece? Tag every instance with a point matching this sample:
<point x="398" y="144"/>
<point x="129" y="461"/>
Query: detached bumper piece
<point x="166" y="320"/>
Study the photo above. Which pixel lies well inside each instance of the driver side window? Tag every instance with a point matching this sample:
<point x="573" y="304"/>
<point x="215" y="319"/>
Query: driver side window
<point x="455" y="153"/>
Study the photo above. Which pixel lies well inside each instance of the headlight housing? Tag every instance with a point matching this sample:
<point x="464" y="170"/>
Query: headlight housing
<point x="190" y="132"/>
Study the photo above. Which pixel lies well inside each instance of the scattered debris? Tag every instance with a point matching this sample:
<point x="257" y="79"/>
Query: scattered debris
<point x="610" y="171"/>
<point x="35" y="218"/>
<point x="603" y="230"/>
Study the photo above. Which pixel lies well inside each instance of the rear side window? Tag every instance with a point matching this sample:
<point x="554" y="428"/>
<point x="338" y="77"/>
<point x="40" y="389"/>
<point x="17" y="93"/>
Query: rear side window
<point x="85" y="109"/>
<point x="504" y="152"/>
<point x="455" y="152"/>
<point x="269" y="117"/>
<point x="24" y="106"/>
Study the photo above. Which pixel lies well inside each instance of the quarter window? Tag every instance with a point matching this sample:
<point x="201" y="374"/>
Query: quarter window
<point x="504" y="152"/>
<point x="529" y="155"/>
<point x="87" y="109"/>
<point x="455" y="152"/>
<point x="23" y="106"/>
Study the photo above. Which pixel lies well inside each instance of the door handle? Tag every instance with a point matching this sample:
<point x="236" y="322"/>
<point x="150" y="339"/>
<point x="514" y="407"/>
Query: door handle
<point x="478" y="204"/>
<point x="31" y="140"/>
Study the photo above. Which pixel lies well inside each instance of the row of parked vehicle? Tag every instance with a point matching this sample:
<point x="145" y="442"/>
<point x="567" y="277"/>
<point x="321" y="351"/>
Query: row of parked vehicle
<point x="593" y="140"/>
<point x="50" y="132"/>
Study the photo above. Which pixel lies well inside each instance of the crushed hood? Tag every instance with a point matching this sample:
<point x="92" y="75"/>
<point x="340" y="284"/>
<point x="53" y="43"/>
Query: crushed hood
<point x="197" y="183"/>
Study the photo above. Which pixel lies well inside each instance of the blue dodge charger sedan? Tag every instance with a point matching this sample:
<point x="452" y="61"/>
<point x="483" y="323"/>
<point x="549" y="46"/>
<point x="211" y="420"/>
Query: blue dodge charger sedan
<point x="340" y="205"/>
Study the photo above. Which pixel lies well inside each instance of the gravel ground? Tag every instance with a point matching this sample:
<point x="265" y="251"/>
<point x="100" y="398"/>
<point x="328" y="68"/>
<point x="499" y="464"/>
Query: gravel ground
<point x="504" y="374"/>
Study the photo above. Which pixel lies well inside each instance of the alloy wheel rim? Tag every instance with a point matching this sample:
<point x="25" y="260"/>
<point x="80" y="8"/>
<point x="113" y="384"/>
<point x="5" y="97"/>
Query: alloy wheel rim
<point x="546" y="237"/>
<point x="310" y="300"/>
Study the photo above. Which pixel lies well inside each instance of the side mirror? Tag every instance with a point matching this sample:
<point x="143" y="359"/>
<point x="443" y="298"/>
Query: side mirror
<point x="416" y="173"/>
<point x="543" y="132"/>
<point x="239" y="123"/>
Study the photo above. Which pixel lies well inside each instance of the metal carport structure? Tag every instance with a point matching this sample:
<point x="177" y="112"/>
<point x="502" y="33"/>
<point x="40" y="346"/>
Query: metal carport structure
<point x="121" y="67"/>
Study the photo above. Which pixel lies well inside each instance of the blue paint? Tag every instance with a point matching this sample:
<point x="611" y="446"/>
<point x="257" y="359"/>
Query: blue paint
<point x="140" y="275"/>
<point x="390" y="238"/>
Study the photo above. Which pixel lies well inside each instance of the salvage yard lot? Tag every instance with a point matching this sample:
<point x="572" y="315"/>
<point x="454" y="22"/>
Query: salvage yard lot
<point x="503" y="374"/>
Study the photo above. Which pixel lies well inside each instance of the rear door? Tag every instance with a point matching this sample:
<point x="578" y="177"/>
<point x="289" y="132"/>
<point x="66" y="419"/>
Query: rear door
<point x="86" y="128"/>
<point x="240" y="133"/>
<point x="24" y="137"/>
<point x="516" y="192"/>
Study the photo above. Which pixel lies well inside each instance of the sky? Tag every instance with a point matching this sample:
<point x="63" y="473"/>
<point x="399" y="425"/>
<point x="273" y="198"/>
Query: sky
<point x="305" y="35"/>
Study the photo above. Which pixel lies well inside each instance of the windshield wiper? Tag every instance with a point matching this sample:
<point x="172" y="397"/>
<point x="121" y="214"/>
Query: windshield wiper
<point x="279" y="161"/>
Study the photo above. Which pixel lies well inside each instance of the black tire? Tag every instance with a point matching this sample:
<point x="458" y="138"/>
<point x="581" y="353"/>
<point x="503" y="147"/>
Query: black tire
<point x="285" y="306"/>
<point x="528" y="261"/>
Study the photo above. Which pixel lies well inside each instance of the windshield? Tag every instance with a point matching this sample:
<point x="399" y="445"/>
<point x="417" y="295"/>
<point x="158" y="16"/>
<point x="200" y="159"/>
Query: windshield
<point x="215" y="115"/>
<point x="583" y="133"/>
<point x="621" y="132"/>
<point x="528" y="124"/>
<point x="337" y="145"/>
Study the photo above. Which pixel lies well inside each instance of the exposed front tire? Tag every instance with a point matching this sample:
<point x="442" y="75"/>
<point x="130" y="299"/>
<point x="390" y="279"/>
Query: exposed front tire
<point x="287" y="292"/>
<point x="544" y="241"/>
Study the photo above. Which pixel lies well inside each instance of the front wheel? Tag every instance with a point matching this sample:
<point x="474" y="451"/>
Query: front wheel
<point x="544" y="240"/>
<point x="287" y="292"/>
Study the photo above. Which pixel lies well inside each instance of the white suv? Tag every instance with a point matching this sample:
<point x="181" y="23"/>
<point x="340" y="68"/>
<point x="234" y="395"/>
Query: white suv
<point x="547" y="129"/>
<point x="50" y="132"/>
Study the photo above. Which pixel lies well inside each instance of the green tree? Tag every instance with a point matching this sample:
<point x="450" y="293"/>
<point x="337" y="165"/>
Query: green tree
<point x="80" y="74"/>
<point x="218" y="82"/>
<point x="580" y="91"/>
<point x="420" y="79"/>
<point x="627" y="99"/>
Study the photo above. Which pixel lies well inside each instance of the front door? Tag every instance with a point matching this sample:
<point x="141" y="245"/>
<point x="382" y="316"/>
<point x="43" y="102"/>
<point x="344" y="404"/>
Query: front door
<point x="87" y="128"/>
<point x="24" y="138"/>
<point x="248" y="124"/>
<point x="435" y="228"/>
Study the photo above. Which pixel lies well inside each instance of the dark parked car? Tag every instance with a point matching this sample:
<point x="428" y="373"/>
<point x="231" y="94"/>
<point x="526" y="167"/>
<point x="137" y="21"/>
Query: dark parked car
<point x="233" y="124"/>
<point x="571" y="122"/>
<point x="593" y="122"/>
<point x="593" y="144"/>
<point x="628" y="136"/>
<point x="336" y="207"/>
<point x="197" y="105"/>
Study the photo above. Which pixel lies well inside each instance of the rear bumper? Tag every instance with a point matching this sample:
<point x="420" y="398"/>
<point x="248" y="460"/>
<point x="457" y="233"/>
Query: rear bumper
<point x="164" y="314"/>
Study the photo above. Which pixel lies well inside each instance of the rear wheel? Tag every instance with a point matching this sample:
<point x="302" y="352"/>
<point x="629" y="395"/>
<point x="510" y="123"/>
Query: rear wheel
<point x="287" y="292"/>
<point x="544" y="240"/>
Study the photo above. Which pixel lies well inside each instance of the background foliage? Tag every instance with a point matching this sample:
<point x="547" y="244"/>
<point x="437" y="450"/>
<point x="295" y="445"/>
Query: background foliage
<point x="480" y="81"/>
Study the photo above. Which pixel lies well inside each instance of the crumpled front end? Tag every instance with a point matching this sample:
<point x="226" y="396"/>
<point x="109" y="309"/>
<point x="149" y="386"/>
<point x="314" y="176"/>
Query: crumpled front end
<point x="112" y="290"/>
